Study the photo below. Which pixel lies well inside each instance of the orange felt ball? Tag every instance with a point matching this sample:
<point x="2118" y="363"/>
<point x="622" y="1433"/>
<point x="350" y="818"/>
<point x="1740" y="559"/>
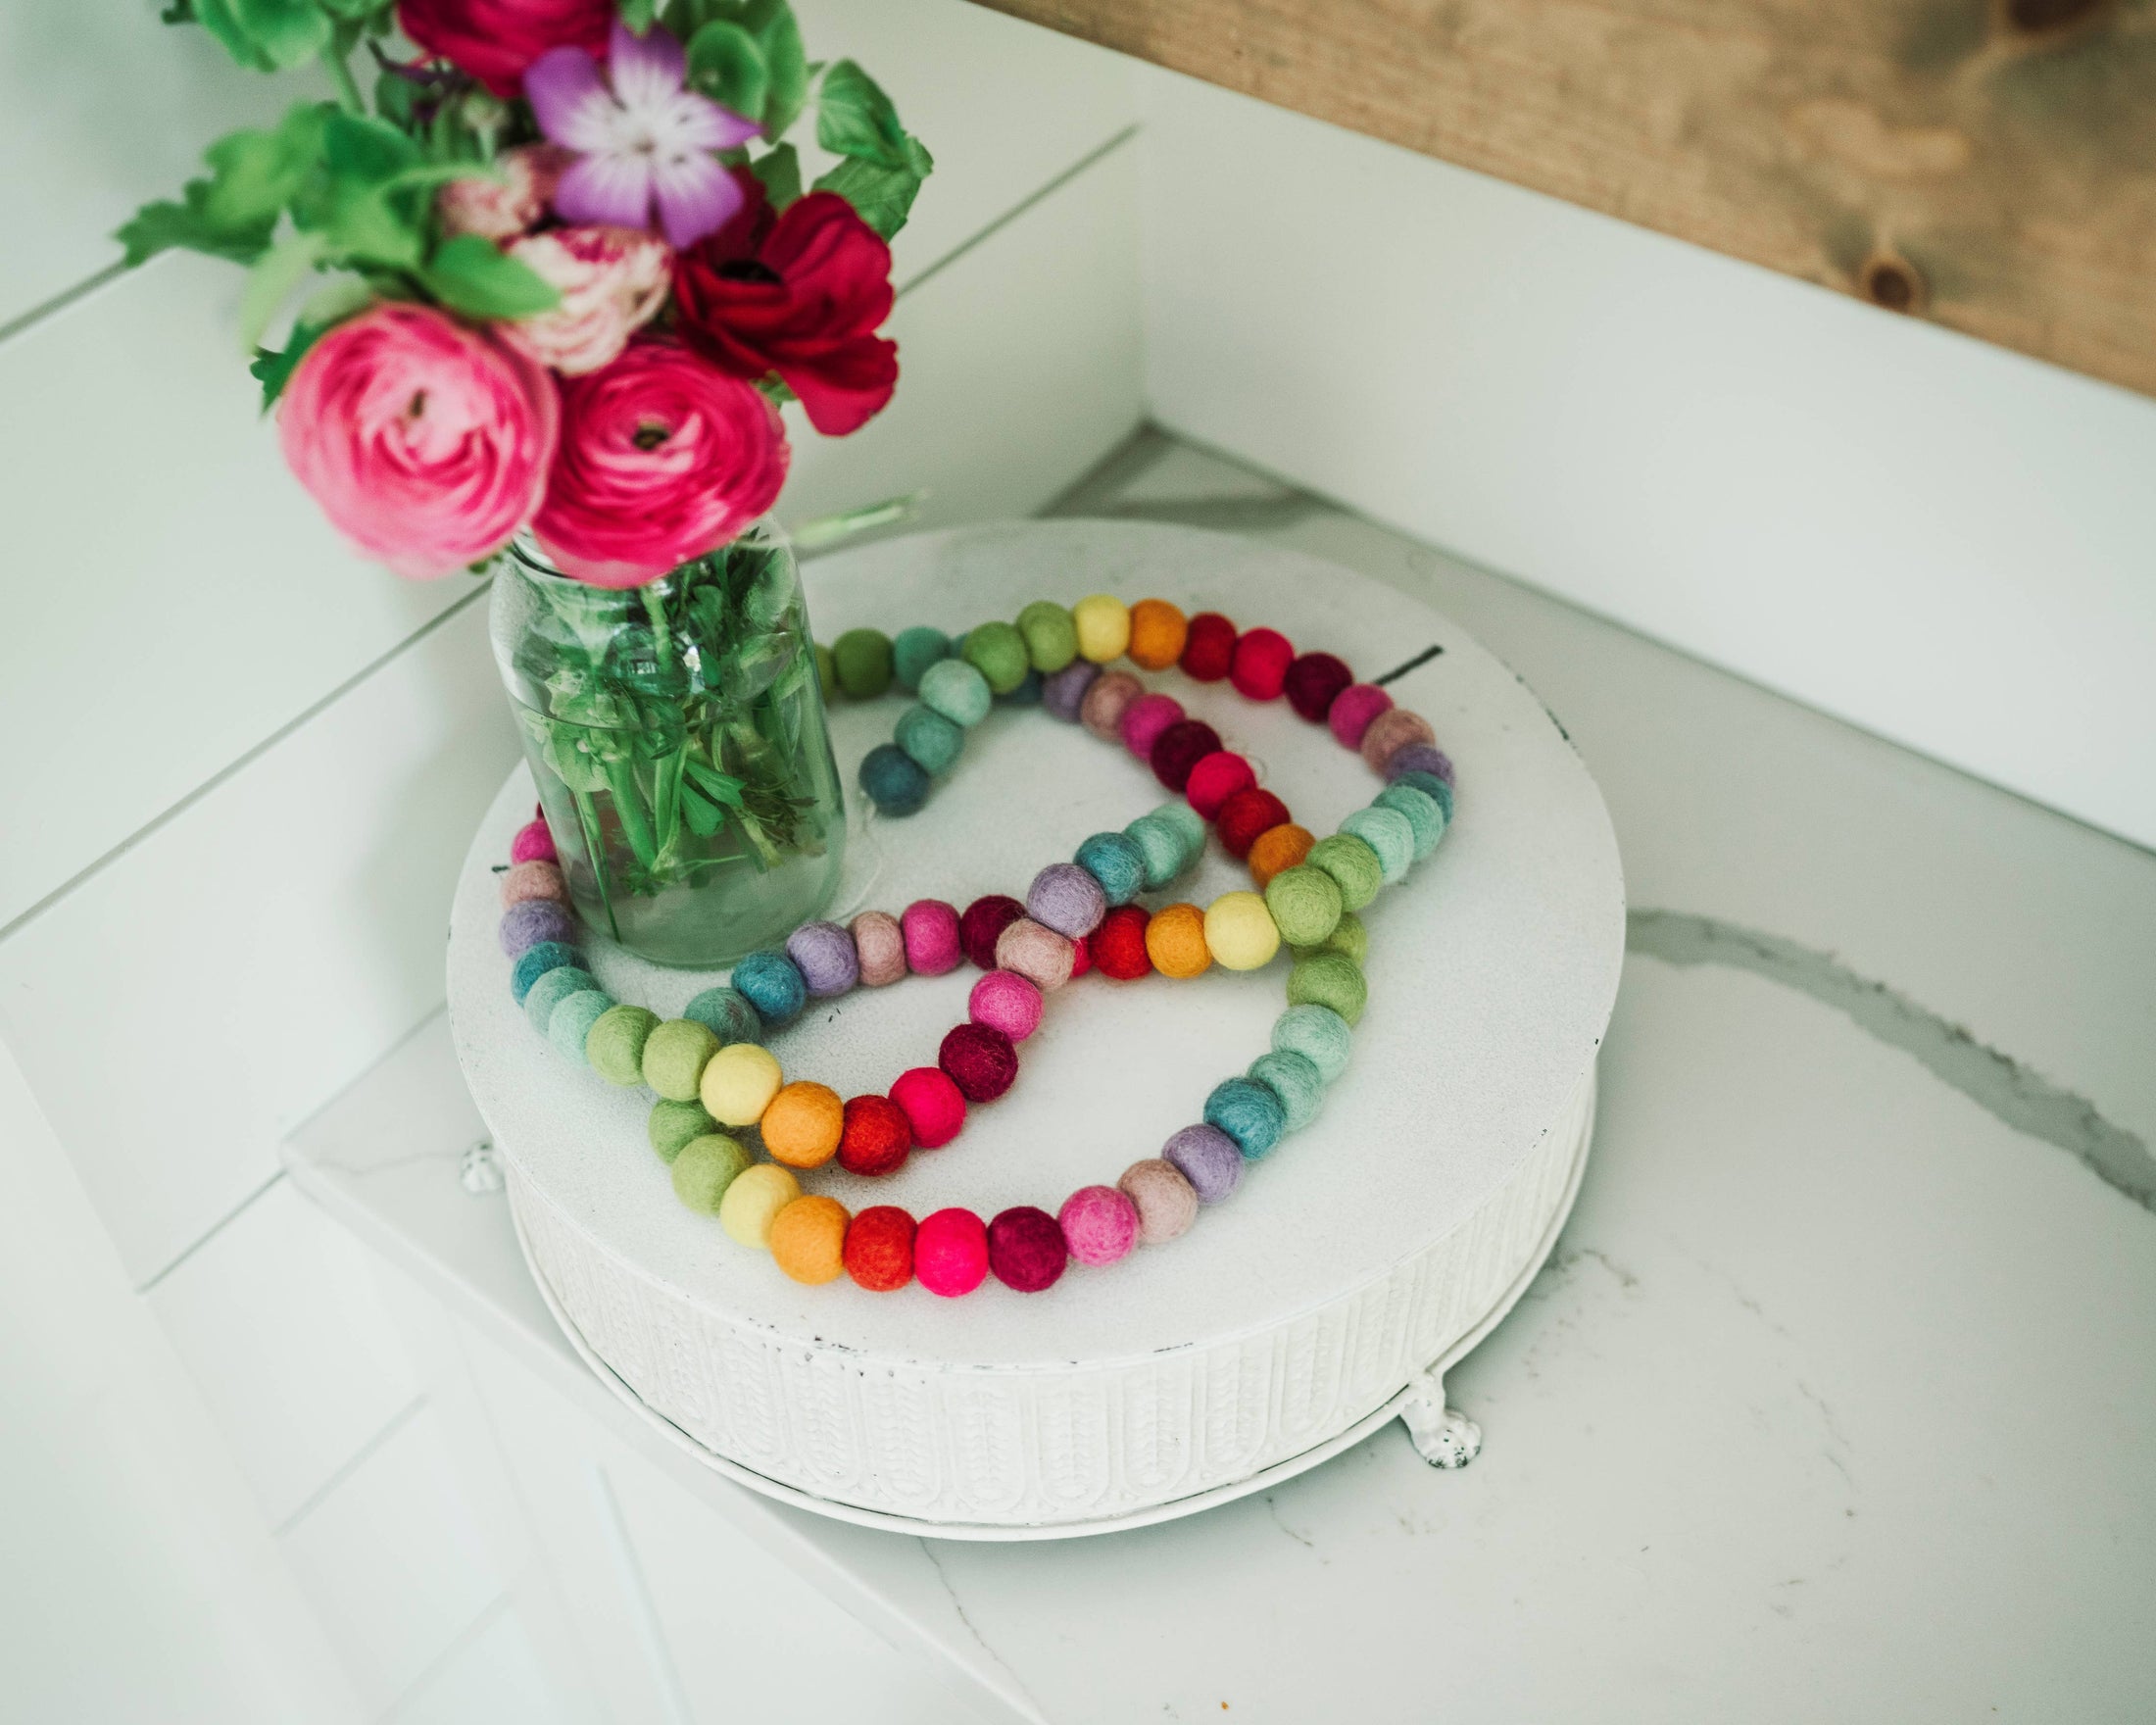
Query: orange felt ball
<point x="809" y="1239"/>
<point x="1278" y="848"/>
<point x="1175" y="941"/>
<point x="1156" y="633"/>
<point x="803" y="1123"/>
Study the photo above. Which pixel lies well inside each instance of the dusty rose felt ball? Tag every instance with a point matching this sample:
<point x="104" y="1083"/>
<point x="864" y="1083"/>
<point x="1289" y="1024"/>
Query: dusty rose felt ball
<point x="1106" y="698"/>
<point x="533" y="880"/>
<point x="1208" y="648"/>
<point x="879" y="948"/>
<point x="879" y="1249"/>
<point x="875" y="1138"/>
<point x="1390" y="733"/>
<point x="533" y="843"/>
<point x="979" y="1061"/>
<point x="1312" y="682"/>
<point x="951" y="1253"/>
<point x="935" y="1108"/>
<point x="1026" y="1249"/>
<point x="1258" y="667"/>
<point x="1100" y="1224"/>
<point x="1006" y="1001"/>
<point x="1215" y="778"/>
<point x="983" y="923"/>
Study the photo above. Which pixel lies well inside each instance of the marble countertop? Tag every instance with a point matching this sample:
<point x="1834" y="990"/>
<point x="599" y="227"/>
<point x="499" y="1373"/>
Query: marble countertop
<point x="1838" y="1397"/>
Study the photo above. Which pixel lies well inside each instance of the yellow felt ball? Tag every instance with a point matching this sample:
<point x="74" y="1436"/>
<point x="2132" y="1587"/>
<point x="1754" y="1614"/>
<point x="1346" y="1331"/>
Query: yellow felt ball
<point x="1175" y="941"/>
<point x="738" y="1084"/>
<point x="1103" y="627"/>
<point x="1240" y="931"/>
<point x="753" y="1203"/>
<point x="809" y="1239"/>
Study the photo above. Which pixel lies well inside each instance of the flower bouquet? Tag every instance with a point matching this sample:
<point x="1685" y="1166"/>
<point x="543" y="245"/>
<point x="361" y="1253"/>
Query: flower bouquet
<point x="569" y="274"/>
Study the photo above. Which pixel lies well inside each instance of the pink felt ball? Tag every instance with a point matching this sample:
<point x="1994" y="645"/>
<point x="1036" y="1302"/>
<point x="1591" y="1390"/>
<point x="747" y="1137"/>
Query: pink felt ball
<point x="1260" y="667"/>
<point x="1352" y="710"/>
<point x="951" y="1253"/>
<point x="1100" y="1224"/>
<point x="1004" y="1001"/>
<point x="934" y="1107"/>
<point x="1144" y="718"/>
<point x="930" y="929"/>
<point x="533" y="880"/>
<point x="1214" y="779"/>
<point x="533" y="843"/>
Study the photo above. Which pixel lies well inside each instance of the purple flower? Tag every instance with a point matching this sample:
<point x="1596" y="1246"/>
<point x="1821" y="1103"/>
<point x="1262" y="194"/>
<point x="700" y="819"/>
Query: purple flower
<point x="638" y="137"/>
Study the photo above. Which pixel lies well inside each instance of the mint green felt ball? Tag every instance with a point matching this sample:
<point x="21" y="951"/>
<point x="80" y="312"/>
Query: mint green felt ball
<point x="1329" y="979"/>
<point x="1349" y="936"/>
<point x="673" y="1123"/>
<point x="673" y="1057"/>
<point x="615" y="1046"/>
<point x="1352" y="864"/>
<point x="955" y="689"/>
<point x="1388" y="833"/>
<point x="1190" y="826"/>
<point x="550" y="990"/>
<point x="704" y="1168"/>
<point x="1296" y="1080"/>
<point x="1305" y="904"/>
<point x="1160" y="849"/>
<point x="913" y="651"/>
<point x="1422" y="811"/>
<point x="1051" y="637"/>
<point x="998" y="653"/>
<point x="1317" y="1033"/>
<point x="571" y="1023"/>
<point x="932" y="740"/>
<point x="861" y="662"/>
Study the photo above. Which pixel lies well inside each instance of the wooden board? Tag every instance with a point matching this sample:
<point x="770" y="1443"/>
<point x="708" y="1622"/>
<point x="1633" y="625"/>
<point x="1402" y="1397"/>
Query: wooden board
<point x="1990" y="164"/>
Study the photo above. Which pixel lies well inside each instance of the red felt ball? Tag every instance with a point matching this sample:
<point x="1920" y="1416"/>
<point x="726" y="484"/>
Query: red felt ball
<point x="1312" y="681"/>
<point x="983" y="922"/>
<point x="1214" y="779"/>
<point x="981" y="1061"/>
<point x="1081" y="957"/>
<point x="935" y="1108"/>
<point x="876" y="1137"/>
<point x="1260" y="667"/>
<point x="1026" y="1248"/>
<point x="879" y="1253"/>
<point x="1208" y="650"/>
<point x="1246" y="815"/>
<point x="951" y="1253"/>
<point x="1181" y="747"/>
<point x="1119" y="944"/>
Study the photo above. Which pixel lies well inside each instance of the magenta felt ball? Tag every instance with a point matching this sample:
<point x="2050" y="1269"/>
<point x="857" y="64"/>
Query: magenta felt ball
<point x="1006" y="1001"/>
<point x="1260" y="667"/>
<point x="981" y="1061"/>
<point x="1352" y="710"/>
<point x="1180" y="748"/>
<point x="1100" y="1224"/>
<point x="951" y="1253"/>
<point x="1214" y="779"/>
<point x="931" y="930"/>
<point x="1144" y="718"/>
<point x="1068" y="899"/>
<point x="934" y="1107"/>
<point x="1026" y="1249"/>
<point x="533" y="843"/>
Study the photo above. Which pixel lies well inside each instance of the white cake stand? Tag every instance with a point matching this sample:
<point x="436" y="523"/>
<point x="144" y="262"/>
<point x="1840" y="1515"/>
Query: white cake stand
<point x="1330" y="1294"/>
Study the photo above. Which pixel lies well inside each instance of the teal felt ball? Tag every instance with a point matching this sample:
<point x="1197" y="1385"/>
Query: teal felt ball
<point x="1422" y="811"/>
<point x="894" y="780"/>
<point x="550" y="990"/>
<point x="1189" y="825"/>
<point x="1432" y="787"/>
<point x="726" y="1013"/>
<point x="772" y="983"/>
<point x="1115" y="860"/>
<point x="535" y="962"/>
<point x="932" y="740"/>
<point x="1249" y="1113"/>
<point x="913" y="651"/>
<point x="1296" y="1080"/>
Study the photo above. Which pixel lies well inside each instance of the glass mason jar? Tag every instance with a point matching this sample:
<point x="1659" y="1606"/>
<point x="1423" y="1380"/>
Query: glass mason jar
<point x="677" y="734"/>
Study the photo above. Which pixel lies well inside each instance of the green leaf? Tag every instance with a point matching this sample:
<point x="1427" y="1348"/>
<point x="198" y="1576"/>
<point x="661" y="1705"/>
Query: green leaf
<point x="721" y="787"/>
<point x="256" y="173"/>
<point x="267" y="36"/>
<point x="357" y="147"/>
<point x="726" y="65"/>
<point x="778" y="35"/>
<point x="780" y="171"/>
<point x="856" y="119"/>
<point x="271" y="281"/>
<point x="221" y="17"/>
<point x="882" y="196"/>
<point x="475" y="276"/>
<point x="639" y="14"/>
<point x="163" y="225"/>
<point x="702" y="816"/>
<point x="324" y="309"/>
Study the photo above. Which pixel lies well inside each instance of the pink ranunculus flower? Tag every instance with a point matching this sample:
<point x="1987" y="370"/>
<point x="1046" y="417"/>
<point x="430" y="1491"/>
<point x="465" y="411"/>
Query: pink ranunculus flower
<point x="425" y="441"/>
<point x="662" y="458"/>
<point x="509" y="201"/>
<point x="612" y="280"/>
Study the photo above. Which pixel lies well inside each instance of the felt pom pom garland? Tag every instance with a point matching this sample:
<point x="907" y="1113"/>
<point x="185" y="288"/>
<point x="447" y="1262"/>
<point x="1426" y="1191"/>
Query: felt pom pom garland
<point x="714" y="1076"/>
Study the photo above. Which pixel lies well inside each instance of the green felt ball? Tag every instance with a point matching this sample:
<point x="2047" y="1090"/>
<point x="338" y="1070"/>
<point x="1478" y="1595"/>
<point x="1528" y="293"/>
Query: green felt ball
<point x="704" y="1168"/>
<point x="913" y="651"/>
<point x="552" y="989"/>
<point x="615" y="1045"/>
<point x="673" y="1123"/>
<point x="1329" y="979"/>
<point x="1305" y="905"/>
<point x="1349" y="936"/>
<point x="998" y="653"/>
<point x="1388" y="833"/>
<point x="955" y="689"/>
<point x="1422" y="811"/>
<point x="1351" y="862"/>
<point x="675" y="1054"/>
<point x="1296" y="1080"/>
<point x="1317" y="1033"/>
<point x="931" y="739"/>
<point x="861" y="659"/>
<point x="1190" y="826"/>
<point x="1051" y="637"/>
<point x="827" y="672"/>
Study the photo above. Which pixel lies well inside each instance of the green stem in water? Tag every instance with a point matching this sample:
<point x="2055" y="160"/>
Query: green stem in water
<point x="587" y="817"/>
<point x="628" y="805"/>
<point x="666" y="770"/>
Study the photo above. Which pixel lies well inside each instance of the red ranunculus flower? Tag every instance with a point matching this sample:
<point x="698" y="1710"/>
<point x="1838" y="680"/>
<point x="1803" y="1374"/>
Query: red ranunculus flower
<point x="800" y="294"/>
<point x="496" y="39"/>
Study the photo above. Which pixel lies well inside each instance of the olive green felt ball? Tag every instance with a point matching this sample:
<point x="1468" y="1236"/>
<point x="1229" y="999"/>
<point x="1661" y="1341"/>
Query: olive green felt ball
<point x="932" y="740"/>
<point x="913" y="651"/>
<point x="673" y="1057"/>
<point x="1305" y="905"/>
<point x="673" y="1123"/>
<point x="1349" y="936"/>
<point x="998" y="653"/>
<point x="1353" y="864"/>
<point x="1051" y="637"/>
<point x="827" y="672"/>
<point x="705" y="1167"/>
<point x="615" y="1044"/>
<point x="1329" y="979"/>
<point x="863" y="661"/>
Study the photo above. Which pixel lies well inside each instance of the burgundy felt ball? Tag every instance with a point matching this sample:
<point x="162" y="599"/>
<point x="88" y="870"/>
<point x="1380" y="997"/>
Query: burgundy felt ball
<point x="983" y="925"/>
<point x="876" y="1136"/>
<point x="1246" y="815"/>
<point x="1216" y="778"/>
<point x="1311" y="683"/>
<point x="1181" y="747"/>
<point x="1026" y="1248"/>
<point x="951" y="1253"/>
<point x="879" y="1253"/>
<point x="1258" y="668"/>
<point x="1119" y="944"/>
<point x="935" y="1108"/>
<point x="1208" y="648"/>
<point x="979" y="1061"/>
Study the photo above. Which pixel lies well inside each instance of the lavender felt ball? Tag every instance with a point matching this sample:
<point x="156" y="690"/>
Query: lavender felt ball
<point x="1064" y="692"/>
<point x="826" y="957"/>
<point x="1208" y="1159"/>
<point x="529" y="921"/>
<point x="1068" y="899"/>
<point x="1419" y="758"/>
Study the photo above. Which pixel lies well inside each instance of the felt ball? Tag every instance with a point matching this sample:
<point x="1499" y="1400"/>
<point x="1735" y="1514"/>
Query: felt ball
<point x="772" y="983"/>
<point x="534" y="880"/>
<point x="1354" y="710"/>
<point x="1066" y="897"/>
<point x="1437" y="790"/>
<point x="536" y="961"/>
<point x="1027" y="693"/>
<point x="535" y="920"/>
<point x="704" y="1167"/>
<point x="1246" y="816"/>
<point x="533" y="843"/>
<point x="1305" y="904"/>
<point x="879" y="948"/>
<point x="1349" y="936"/>
<point x="1209" y="647"/>
<point x="1249" y="1112"/>
<point x="1208" y="1159"/>
<point x="1258" y="667"/>
<point x="983" y="922"/>
<point x="1039" y="954"/>
<point x="861" y="660"/>
<point x="1063" y="693"/>
<point x="1081" y="958"/>
<point x="1175" y="942"/>
<point x="1108" y="697"/>
<point x="674" y="1057"/>
<point x="930" y="740"/>
<point x="1312" y="682"/>
<point x="951" y="1253"/>
<point x="552" y="989"/>
<point x="1100" y="1224"/>
<point x="1006" y="1001"/>
<point x="1353" y="864"/>
<point x="913" y="651"/>
<point x="1215" y="778"/>
<point x="827" y="672"/>
<point x="726" y="1013"/>
<point x="935" y="1108"/>
<point x="1102" y="622"/>
<point x="808" y="1239"/>
<point x="876" y="1137"/>
<point x="1166" y="1204"/>
<point x="1388" y="833"/>
<point x="1049" y="636"/>
<point x="1240" y="932"/>
<point x="998" y="653"/>
<point x="1425" y="820"/>
<point x="1278" y="849"/>
<point x="738" y="1082"/>
<point x="1160" y="849"/>
<point x="879" y="1249"/>
<point x="932" y="941"/>
<point x="1329" y="979"/>
<point x="615" y="1044"/>
<point x="1119" y="944"/>
<point x="673" y="1123"/>
<point x="1393" y="731"/>
<point x="893" y="780"/>
<point x="1317" y="1033"/>
<point x="801" y="1124"/>
<point x="824" y="953"/>
<point x="569" y="1024"/>
<point x="753" y="1200"/>
<point x="979" y="1061"/>
<point x="1156" y="633"/>
<point x="1115" y="861"/>
<point x="1296" y="1080"/>
<point x="1419" y="758"/>
<point x="1026" y="1251"/>
<point x="1144" y="718"/>
<point x="1188" y="824"/>
<point x="1179" y="749"/>
<point x="955" y="689"/>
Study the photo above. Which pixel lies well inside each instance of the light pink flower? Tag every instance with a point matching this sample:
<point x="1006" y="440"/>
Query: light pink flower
<point x="425" y="442"/>
<point x="612" y="280"/>
<point x="507" y="203"/>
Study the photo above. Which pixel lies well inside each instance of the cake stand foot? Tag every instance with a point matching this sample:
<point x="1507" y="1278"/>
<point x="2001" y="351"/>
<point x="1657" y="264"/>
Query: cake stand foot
<point x="1443" y="1436"/>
